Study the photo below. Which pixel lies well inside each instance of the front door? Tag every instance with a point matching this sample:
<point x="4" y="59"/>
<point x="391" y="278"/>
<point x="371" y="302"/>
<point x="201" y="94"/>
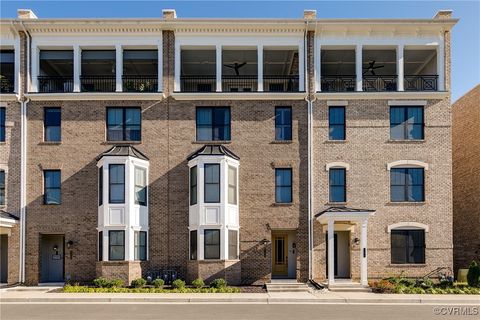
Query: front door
<point x="51" y="248"/>
<point x="341" y="254"/>
<point x="279" y="255"/>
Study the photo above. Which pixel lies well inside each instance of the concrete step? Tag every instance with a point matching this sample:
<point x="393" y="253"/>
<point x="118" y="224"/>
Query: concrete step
<point x="350" y="289"/>
<point x="287" y="287"/>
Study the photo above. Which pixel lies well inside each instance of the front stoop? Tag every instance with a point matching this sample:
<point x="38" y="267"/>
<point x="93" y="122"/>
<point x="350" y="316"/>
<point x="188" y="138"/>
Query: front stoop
<point x="287" y="287"/>
<point x="347" y="287"/>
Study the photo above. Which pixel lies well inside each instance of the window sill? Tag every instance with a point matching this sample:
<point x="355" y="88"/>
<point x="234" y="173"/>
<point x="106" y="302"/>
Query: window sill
<point x="406" y="203"/>
<point x="336" y="204"/>
<point x="2" y="143"/>
<point x="212" y="142"/>
<point x="50" y="143"/>
<point x="407" y="265"/>
<point x="414" y="141"/>
<point x="121" y="142"/>
<point x="286" y="204"/>
<point x="51" y="204"/>
<point x="336" y="141"/>
<point x="282" y="142"/>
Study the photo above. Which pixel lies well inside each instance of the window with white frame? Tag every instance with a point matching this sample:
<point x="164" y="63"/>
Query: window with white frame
<point x="232" y="185"/>
<point x="116" y="244"/>
<point x="212" y="183"/>
<point x="140" y="186"/>
<point x="140" y="245"/>
<point x="211" y="241"/>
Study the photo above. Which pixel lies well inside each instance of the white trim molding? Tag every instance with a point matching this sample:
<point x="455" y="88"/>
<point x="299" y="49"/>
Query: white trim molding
<point x="407" y="226"/>
<point x="84" y="96"/>
<point x="407" y="164"/>
<point x="334" y="103"/>
<point x="407" y="102"/>
<point x="362" y="95"/>
<point x="337" y="164"/>
<point x="238" y="96"/>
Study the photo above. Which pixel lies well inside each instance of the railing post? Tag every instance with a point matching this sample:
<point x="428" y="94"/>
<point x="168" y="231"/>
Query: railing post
<point x="260" y="67"/>
<point x="358" y="67"/>
<point x="400" y="67"/>
<point x="77" y="65"/>
<point x="118" y="68"/>
<point x="218" y="49"/>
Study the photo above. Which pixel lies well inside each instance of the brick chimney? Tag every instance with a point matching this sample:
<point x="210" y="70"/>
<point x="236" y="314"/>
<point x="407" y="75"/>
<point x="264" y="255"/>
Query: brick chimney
<point x="169" y="14"/>
<point x="26" y="14"/>
<point x="310" y="14"/>
<point x="443" y="14"/>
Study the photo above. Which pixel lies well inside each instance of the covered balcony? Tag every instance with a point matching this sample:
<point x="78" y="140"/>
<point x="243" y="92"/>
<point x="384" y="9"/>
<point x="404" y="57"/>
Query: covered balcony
<point x="420" y="69"/>
<point x="56" y="71"/>
<point x="338" y="70"/>
<point x="7" y="71"/>
<point x="379" y="69"/>
<point x="198" y="70"/>
<point x="140" y="71"/>
<point x="280" y="70"/>
<point x="239" y="69"/>
<point x="98" y="71"/>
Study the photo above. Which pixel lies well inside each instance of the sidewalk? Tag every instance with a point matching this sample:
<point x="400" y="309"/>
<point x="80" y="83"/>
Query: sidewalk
<point x="37" y="295"/>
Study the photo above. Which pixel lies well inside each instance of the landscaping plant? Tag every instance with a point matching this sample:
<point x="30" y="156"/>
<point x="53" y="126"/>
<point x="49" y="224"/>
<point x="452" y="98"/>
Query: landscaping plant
<point x="218" y="283"/>
<point x="139" y="283"/>
<point x="158" y="283"/>
<point x="198" y="283"/>
<point x="178" y="284"/>
<point x="473" y="275"/>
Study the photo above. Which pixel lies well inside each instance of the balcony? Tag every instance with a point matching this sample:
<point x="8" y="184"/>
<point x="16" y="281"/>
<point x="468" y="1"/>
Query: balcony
<point x="7" y="71"/>
<point x="7" y="84"/>
<point x="421" y="83"/>
<point x="379" y="83"/>
<point x="420" y="69"/>
<point x="191" y="83"/>
<point x="56" y="71"/>
<point x="51" y="84"/>
<point x="338" y="70"/>
<point x="98" y="83"/>
<point x="140" y="71"/>
<point x="98" y="71"/>
<point x="338" y="83"/>
<point x="140" y="83"/>
<point x="239" y="83"/>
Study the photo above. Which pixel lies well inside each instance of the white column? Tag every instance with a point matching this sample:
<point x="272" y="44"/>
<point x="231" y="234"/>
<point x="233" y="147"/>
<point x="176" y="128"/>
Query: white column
<point x="16" y="78"/>
<point x="178" y="63"/>
<point x="400" y="67"/>
<point x="441" y="65"/>
<point x="331" y="252"/>
<point x="358" y="67"/>
<point x="105" y="248"/>
<point x="301" y="66"/>
<point x="363" y="253"/>
<point x="35" y="60"/>
<point x="318" y="66"/>
<point x="77" y="66"/>
<point x="160" y="68"/>
<point x="260" y="67"/>
<point x="219" y="67"/>
<point x="119" y="67"/>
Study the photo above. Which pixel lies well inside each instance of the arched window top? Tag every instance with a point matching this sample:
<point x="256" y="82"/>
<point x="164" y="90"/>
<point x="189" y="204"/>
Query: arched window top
<point x="337" y="164"/>
<point x="407" y="164"/>
<point x="408" y="226"/>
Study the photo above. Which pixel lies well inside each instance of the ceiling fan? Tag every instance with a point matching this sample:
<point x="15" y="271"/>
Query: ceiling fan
<point x="371" y="67"/>
<point x="236" y="66"/>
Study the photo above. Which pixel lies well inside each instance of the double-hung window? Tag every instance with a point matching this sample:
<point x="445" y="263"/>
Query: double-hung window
<point x="116" y="244"/>
<point x="406" y="123"/>
<point x="100" y="186"/>
<point x="336" y="123"/>
<point x="338" y="185"/>
<point x="193" y="245"/>
<point x="193" y="185"/>
<point x="211" y="244"/>
<point x="140" y="186"/>
<point x="232" y="244"/>
<point x="283" y="185"/>
<point x="116" y="183"/>
<point x="52" y="187"/>
<point x="52" y="124"/>
<point x="140" y="245"/>
<point x="408" y="246"/>
<point x="212" y="183"/>
<point x="100" y="246"/>
<point x="2" y="124"/>
<point x="124" y="124"/>
<point x="407" y="184"/>
<point x="232" y="185"/>
<point x="2" y="187"/>
<point x="213" y="124"/>
<point x="283" y="123"/>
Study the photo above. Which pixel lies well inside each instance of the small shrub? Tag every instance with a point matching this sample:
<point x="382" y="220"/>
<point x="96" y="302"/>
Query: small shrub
<point x="116" y="283"/>
<point x="158" y="283"/>
<point x="198" y="283"/>
<point x="219" y="283"/>
<point x="101" y="282"/>
<point x="139" y="283"/>
<point x="473" y="275"/>
<point x="178" y="284"/>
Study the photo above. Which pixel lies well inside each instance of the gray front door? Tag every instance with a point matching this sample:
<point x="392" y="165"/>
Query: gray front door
<point x="51" y="248"/>
<point x="3" y="258"/>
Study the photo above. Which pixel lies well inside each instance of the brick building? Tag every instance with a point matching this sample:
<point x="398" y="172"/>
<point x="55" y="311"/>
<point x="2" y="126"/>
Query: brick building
<point x="248" y="149"/>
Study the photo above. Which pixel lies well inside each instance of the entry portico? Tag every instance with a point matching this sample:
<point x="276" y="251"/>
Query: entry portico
<point x="353" y="216"/>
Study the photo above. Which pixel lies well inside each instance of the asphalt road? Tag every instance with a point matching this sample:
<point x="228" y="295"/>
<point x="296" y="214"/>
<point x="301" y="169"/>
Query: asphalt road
<point x="224" y="311"/>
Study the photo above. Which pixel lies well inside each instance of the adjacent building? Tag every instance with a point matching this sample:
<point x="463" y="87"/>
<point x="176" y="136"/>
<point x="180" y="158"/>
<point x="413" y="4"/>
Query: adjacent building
<point x="247" y="149"/>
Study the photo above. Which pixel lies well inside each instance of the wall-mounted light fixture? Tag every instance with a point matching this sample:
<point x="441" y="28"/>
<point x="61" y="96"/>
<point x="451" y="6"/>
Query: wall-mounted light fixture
<point x="356" y="241"/>
<point x="69" y="244"/>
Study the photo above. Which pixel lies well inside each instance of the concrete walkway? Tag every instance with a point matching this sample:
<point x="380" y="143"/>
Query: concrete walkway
<point x="41" y="295"/>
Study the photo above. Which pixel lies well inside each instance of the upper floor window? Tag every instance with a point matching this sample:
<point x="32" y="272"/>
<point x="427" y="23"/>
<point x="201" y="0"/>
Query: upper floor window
<point x="408" y="246"/>
<point x="2" y="124"/>
<point x="283" y="185"/>
<point x="406" y="123"/>
<point x="193" y="185"/>
<point x="116" y="183"/>
<point x="7" y="71"/>
<point x="140" y="245"/>
<point x="283" y="123"/>
<point x="140" y="186"/>
<point x="2" y="187"/>
<point x="338" y="185"/>
<point x="116" y="244"/>
<point x="100" y="186"/>
<point x="124" y="124"/>
<point x="336" y="123"/>
<point x="52" y="187"/>
<point x="407" y="184"/>
<point x="211" y="244"/>
<point x="213" y="124"/>
<point x="212" y="183"/>
<point x="232" y="185"/>
<point x="52" y="124"/>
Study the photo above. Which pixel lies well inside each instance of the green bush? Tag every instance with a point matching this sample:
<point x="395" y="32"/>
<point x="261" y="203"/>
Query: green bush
<point x="106" y="283"/>
<point x="139" y="283"/>
<point x="473" y="275"/>
<point x="198" y="283"/>
<point x="219" y="283"/>
<point x="158" y="283"/>
<point x="178" y="284"/>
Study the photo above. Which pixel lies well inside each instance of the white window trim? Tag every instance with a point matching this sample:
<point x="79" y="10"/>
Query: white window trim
<point x="407" y="164"/>
<point x="408" y="226"/>
<point x="338" y="164"/>
<point x="407" y="102"/>
<point x="337" y="103"/>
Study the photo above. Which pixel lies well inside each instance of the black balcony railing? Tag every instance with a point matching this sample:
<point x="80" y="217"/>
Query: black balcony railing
<point x="340" y="83"/>
<point x="98" y="83"/>
<point x="285" y="83"/>
<point x="55" y="84"/>
<point x="239" y="83"/>
<point x="140" y="83"/>
<point x="421" y="83"/>
<point x="7" y="84"/>
<point x="205" y="83"/>
<point x="379" y="83"/>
